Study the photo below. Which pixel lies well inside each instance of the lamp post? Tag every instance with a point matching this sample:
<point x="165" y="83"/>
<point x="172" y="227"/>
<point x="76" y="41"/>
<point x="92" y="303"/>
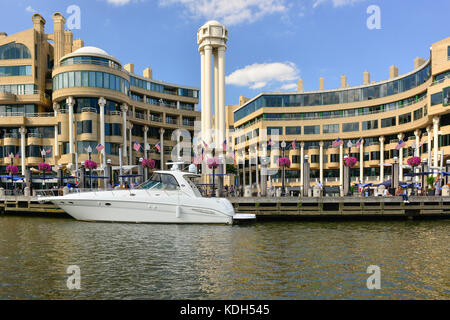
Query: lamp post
<point x="43" y="153"/>
<point x="283" y="191"/>
<point x="89" y="151"/>
<point x="11" y="160"/>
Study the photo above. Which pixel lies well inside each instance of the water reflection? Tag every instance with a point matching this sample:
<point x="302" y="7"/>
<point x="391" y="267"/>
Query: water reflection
<point x="276" y="260"/>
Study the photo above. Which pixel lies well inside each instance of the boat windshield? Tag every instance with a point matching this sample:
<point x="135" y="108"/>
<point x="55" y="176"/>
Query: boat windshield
<point x="160" y="181"/>
<point x="193" y="185"/>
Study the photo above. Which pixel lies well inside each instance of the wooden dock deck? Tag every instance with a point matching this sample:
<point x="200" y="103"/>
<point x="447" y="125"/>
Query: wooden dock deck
<point x="344" y="207"/>
<point x="288" y="207"/>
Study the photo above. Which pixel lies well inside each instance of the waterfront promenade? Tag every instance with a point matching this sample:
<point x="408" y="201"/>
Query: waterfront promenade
<point x="433" y="207"/>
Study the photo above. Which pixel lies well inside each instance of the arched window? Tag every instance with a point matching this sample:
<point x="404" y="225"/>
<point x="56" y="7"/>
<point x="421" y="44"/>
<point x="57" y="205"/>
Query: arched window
<point x="14" y="51"/>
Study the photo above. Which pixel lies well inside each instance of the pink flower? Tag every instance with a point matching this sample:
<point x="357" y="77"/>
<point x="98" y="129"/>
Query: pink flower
<point x="12" y="169"/>
<point x="350" y="161"/>
<point x="89" y="164"/>
<point x="44" y="167"/>
<point x="284" y="162"/>
<point x="414" y="161"/>
<point x="212" y="163"/>
<point x="148" y="163"/>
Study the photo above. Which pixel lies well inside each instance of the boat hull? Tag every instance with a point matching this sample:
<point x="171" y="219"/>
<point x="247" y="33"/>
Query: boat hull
<point x="139" y="212"/>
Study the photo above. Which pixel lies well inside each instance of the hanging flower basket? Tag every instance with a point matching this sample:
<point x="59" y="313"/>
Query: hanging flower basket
<point x="148" y="163"/>
<point x="414" y="161"/>
<point x="284" y="162"/>
<point x="212" y="163"/>
<point x="12" y="169"/>
<point x="350" y="161"/>
<point x="89" y="164"/>
<point x="44" y="167"/>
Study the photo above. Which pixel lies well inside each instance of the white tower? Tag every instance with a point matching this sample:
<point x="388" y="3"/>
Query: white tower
<point x="212" y="39"/>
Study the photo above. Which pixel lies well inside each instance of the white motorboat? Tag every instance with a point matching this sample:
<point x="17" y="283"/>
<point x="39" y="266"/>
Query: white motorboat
<point x="167" y="197"/>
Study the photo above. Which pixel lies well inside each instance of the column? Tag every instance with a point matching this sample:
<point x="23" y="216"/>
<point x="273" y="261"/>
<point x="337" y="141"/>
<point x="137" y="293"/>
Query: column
<point x="417" y="150"/>
<point x="256" y="169"/>
<point x="101" y="104"/>
<point x="216" y="101"/>
<point x="23" y="132"/>
<point x="361" y="161"/>
<point x="70" y="101"/>
<point x="429" y="146"/>
<point x="302" y="161"/>
<point x="321" y="162"/>
<point x="130" y="145"/>
<point x="381" y="159"/>
<point x="435" y="142"/>
<point x="56" y="109"/>
<point x="250" y="182"/>
<point x="341" y="166"/>
<point x="208" y="90"/>
<point x="161" y="140"/>
<point x="124" y="109"/>
<point x="264" y="170"/>
<point x="145" y="142"/>
<point x="202" y="93"/>
<point x="222" y="125"/>
<point x="243" y="168"/>
<point x="400" y="159"/>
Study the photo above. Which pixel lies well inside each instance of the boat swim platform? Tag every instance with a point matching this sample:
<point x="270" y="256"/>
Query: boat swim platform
<point x="429" y="207"/>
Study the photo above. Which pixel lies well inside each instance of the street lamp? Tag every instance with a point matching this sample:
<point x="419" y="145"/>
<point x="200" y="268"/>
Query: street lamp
<point x="283" y="191"/>
<point x="11" y="159"/>
<point x="89" y="151"/>
<point x="43" y="153"/>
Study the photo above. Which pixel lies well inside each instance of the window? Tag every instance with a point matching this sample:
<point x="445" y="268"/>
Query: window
<point x="14" y="51"/>
<point x="274" y="130"/>
<point x="8" y="71"/>
<point x="388" y="122"/>
<point x="312" y="130"/>
<point x="436" y="98"/>
<point x="418" y="114"/>
<point x="334" y="157"/>
<point x="112" y="129"/>
<point x="294" y="130"/>
<point x="370" y="125"/>
<point x="84" y="126"/>
<point x="349" y="127"/>
<point x="446" y="94"/>
<point x="404" y="118"/>
<point x="315" y="158"/>
<point x="331" y="128"/>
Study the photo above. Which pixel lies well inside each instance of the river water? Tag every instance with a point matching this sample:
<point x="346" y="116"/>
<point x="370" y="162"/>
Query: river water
<point x="264" y="260"/>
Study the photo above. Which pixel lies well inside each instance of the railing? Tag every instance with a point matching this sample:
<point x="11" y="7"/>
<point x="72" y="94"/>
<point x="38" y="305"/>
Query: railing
<point x="155" y="119"/>
<point x="186" y="108"/>
<point x="188" y="123"/>
<point x="441" y="80"/>
<point x="114" y="113"/>
<point x="25" y="92"/>
<point x="171" y="121"/>
<point x="11" y="135"/>
<point x="34" y="135"/>
<point x="140" y="115"/>
<point x="94" y="62"/>
<point x="25" y="114"/>
<point x="89" y="109"/>
<point x="356" y="114"/>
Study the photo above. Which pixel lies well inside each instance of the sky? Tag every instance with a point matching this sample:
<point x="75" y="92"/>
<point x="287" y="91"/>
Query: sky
<point x="272" y="43"/>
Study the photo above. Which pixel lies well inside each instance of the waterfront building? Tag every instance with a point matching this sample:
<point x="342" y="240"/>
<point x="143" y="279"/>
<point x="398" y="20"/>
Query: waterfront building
<point x="60" y="96"/>
<point x="374" y="117"/>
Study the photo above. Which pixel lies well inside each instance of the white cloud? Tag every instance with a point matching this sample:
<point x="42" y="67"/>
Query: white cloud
<point x="229" y="12"/>
<point x="289" y="86"/>
<point x="257" y="76"/>
<point x="336" y="3"/>
<point x="118" y="2"/>
<point x="30" y="9"/>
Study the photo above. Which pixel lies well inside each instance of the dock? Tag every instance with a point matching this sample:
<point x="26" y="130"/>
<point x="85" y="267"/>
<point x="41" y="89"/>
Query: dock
<point x="287" y="207"/>
<point x="344" y="207"/>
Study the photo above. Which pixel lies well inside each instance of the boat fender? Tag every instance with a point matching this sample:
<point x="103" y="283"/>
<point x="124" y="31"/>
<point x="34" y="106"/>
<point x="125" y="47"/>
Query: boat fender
<point x="178" y="211"/>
